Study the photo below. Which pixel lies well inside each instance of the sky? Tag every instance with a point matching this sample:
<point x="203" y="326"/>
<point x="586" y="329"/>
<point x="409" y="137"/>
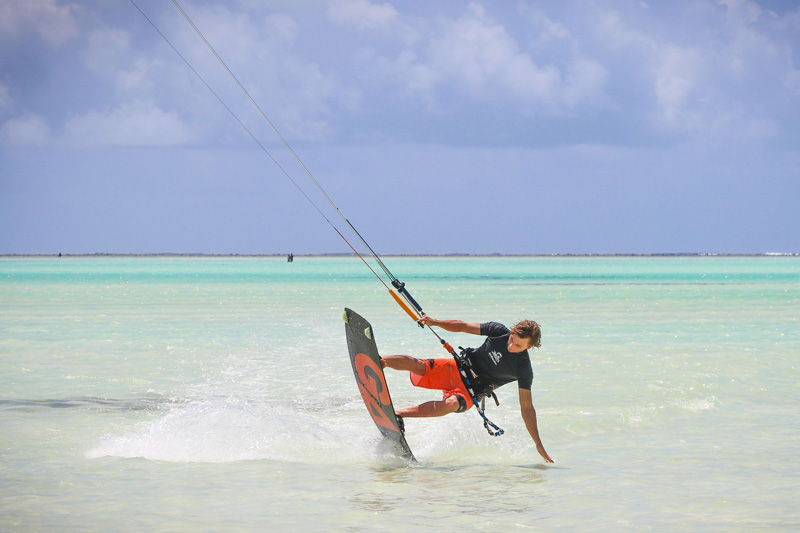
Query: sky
<point x="570" y="127"/>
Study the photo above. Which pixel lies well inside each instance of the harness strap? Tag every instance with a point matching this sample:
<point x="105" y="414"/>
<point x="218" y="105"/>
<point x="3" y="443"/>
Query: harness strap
<point x="485" y="390"/>
<point x="492" y="428"/>
<point x="463" y="369"/>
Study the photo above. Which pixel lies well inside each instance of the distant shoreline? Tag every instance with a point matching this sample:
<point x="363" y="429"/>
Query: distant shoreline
<point x="63" y="255"/>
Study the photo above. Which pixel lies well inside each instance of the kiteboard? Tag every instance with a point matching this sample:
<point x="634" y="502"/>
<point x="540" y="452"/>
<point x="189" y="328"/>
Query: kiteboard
<point x="371" y="380"/>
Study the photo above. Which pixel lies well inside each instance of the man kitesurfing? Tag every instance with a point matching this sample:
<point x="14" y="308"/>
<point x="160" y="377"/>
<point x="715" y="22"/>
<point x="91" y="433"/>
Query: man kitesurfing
<point x="501" y="359"/>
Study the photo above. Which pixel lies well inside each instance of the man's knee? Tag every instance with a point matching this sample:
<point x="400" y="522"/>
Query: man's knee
<point x="456" y="403"/>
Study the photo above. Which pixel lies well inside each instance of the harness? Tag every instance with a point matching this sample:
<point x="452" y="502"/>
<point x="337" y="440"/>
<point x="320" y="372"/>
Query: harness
<point x="466" y="368"/>
<point x="477" y="390"/>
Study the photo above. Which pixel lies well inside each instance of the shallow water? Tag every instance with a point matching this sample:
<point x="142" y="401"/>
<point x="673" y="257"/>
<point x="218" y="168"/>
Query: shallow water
<point x="211" y="393"/>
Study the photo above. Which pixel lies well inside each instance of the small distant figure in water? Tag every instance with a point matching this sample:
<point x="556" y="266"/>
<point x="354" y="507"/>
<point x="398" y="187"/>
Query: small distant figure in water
<point x="59" y="254"/>
<point x="290" y="258"/>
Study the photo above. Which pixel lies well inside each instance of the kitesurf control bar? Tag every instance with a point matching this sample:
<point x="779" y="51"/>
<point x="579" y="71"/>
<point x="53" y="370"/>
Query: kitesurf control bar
<point x="401" y="288"/>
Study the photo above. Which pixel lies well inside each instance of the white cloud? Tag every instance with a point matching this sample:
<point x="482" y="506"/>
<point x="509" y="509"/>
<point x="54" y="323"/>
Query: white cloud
<point x="744" y="10"/>
<point x="297" y="93"/>
<point x="716" y="72"/>
<point x="547" y="31"/>
<point x="104" y="49"/>
<point x="135" y="124"/>
<point x="689" y="68"/>
<point x="54" y="23"/>
<point x="674" y="80"/>
<point x="584" y="83"/>
<point x="237" y="36"/>
<point x="362" y="14"/>
<point x="479" y="58"/>
<point x="138" y="78"/>
<point x="31" y="130"/>
<point x="282" y="26"/>
<point x="5" y="97"/>
<point x="614" y="33"/>
<point x="110" y="56"/>
<point x="409" y="75"/>
<point x="480" y="54"/>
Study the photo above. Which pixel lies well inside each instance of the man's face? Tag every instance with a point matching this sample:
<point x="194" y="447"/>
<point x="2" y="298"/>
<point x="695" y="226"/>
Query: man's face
<point x="518" y="344"/>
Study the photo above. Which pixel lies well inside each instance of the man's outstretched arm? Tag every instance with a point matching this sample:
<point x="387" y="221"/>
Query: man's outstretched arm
<point x="456" y="326"/>
<point x="529" y="416"/>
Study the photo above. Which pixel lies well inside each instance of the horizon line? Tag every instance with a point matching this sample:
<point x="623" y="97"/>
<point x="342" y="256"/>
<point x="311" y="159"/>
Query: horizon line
<point x="350" y="254"/>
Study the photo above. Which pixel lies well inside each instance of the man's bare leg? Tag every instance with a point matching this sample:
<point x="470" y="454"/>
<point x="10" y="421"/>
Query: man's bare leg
<point x="404" y="362"/>
<point x="434" y="408"/>
<point x="418" y="367"/>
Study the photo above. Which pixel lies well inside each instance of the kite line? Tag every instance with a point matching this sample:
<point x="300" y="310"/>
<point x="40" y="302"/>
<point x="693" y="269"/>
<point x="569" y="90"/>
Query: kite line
<point x="407" y="302"/>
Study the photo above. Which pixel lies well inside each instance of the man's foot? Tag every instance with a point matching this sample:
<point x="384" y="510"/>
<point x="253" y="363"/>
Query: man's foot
<point x="400" y="424"/>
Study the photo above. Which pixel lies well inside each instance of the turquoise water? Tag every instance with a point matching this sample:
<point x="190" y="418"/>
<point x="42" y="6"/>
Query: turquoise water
<point x="214" y="393"/>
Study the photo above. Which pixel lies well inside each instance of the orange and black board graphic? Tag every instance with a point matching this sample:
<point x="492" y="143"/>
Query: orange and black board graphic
<point x="371" y="380"/>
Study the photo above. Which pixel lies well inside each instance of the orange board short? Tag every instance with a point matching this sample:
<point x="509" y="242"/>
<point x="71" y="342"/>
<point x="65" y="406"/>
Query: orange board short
<point x="442" y="374"/>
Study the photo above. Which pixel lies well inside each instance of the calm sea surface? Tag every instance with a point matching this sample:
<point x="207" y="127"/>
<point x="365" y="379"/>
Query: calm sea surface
<point x="215" y="394"/>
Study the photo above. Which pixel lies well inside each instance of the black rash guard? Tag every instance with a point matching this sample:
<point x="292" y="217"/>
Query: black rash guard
<point x="494" y="364"/>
